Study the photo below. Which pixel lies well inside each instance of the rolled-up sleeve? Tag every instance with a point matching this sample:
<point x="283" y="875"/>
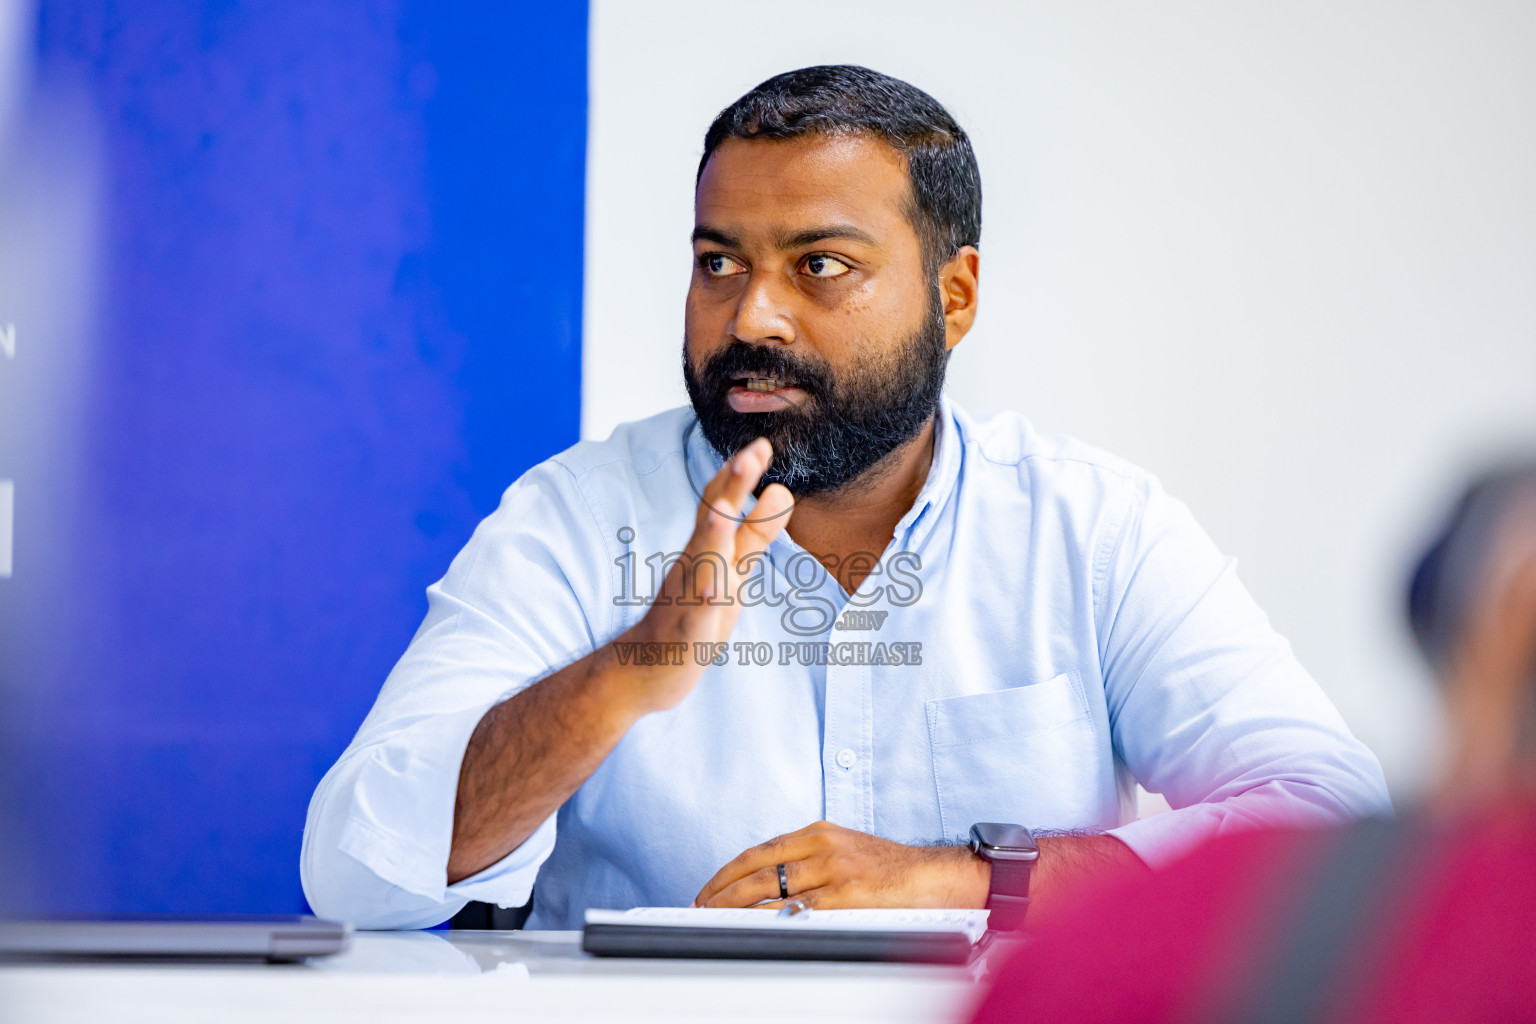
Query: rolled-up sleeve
<point x="1207" y="703"/>
<point x="517" y="604"/>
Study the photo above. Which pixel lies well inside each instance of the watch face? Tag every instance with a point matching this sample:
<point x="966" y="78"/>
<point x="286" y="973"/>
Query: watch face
<point x="1004" y="838"/>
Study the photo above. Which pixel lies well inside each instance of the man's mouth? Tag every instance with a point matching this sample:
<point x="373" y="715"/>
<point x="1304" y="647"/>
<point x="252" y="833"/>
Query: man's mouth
<point x="762" y="383"/>
<point x="762" y="393"/>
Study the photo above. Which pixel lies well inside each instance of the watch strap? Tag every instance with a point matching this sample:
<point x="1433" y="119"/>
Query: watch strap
<point x="1007" y="912"/>
<point x="1008" y="894"/>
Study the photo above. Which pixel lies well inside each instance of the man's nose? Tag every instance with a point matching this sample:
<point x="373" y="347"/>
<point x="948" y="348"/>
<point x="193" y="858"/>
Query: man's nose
<point x="763" y="315"/>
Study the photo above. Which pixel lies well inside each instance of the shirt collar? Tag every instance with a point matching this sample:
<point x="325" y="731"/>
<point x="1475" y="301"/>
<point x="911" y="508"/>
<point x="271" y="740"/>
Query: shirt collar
<point x="942" y="475"/>
<point x="699" y="456"/>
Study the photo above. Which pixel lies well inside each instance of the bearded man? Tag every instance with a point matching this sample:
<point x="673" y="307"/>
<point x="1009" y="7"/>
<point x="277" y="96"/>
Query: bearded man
<point x="823" y="635"/>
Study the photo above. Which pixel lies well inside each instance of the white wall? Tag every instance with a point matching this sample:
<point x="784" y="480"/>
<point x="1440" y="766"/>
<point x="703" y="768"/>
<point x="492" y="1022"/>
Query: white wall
<point x="1283" y="255"/>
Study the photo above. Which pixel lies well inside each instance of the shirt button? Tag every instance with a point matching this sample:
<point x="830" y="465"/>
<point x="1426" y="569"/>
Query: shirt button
<point x="847" y="758"/>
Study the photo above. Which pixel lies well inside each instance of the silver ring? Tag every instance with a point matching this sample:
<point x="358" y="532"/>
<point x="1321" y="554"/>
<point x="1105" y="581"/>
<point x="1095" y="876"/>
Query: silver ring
<point x="792" y="907"/>
<point x="783" y="883"/>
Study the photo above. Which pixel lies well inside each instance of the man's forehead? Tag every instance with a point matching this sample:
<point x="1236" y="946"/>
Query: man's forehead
<point x="778" y="186"/>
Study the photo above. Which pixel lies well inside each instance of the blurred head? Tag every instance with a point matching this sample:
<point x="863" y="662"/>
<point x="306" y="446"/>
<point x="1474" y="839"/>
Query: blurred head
<point x="1472" y="608"/>
<point x="837" y="214"/>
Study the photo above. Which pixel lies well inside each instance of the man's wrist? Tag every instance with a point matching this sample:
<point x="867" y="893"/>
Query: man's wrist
<point x="630" y="687"/>
<point x="981" y="872"/>
<point x="624" y="694"/>
<point x="967" y="878"/>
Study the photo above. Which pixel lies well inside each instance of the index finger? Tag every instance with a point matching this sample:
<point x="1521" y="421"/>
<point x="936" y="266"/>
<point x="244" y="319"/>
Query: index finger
<point x="730" y="488"/>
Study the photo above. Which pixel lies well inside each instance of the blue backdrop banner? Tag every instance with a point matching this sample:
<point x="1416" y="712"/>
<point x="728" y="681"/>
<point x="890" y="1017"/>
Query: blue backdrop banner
<point x="334" y="310"/>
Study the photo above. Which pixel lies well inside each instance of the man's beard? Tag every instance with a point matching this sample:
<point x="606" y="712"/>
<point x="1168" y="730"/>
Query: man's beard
<point x="846" y="424"/>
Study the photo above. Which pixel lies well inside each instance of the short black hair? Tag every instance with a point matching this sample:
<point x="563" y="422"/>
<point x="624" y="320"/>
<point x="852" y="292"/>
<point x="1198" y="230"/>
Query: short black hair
<point x="945" y="207"/>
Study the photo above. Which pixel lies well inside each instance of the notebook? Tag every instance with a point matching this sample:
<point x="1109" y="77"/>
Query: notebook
<point x="902" y="936"/>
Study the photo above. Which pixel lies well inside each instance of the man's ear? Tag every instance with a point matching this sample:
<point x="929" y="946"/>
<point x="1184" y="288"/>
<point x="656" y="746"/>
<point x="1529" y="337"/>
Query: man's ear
<point x="958" y="285"/>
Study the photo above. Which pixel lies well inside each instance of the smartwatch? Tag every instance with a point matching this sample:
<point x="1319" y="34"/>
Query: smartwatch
<point x="1012" y="852"/>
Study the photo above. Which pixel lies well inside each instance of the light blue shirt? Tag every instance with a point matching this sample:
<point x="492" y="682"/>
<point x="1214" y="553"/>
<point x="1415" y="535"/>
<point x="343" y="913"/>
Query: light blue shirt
<point x="1047" y="628"/>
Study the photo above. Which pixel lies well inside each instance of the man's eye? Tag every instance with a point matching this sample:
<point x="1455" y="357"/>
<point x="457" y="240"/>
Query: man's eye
<point x="825" y="266"/>
<point x="719" y="265"/>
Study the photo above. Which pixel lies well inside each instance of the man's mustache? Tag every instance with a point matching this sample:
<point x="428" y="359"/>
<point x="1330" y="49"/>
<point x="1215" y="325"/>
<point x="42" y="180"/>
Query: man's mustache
<point x="739" y="359"/>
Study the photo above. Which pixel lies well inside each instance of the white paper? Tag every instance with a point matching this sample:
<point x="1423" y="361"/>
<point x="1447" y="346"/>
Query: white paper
<point x="971" y="923"/>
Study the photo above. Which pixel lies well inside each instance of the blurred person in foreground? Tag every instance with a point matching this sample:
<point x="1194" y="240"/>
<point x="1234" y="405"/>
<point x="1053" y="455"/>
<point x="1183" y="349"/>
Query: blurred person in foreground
<point x="1431" y="918"/>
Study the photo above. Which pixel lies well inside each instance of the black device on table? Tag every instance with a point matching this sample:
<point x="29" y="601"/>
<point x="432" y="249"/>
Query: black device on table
<point x="275" y="938"/>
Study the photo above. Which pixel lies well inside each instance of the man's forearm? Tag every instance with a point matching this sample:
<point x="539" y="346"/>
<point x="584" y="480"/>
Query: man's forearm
<point x="1069" y="862"/>
<point x="829" y="866"/>
<point x="531" y="752"/>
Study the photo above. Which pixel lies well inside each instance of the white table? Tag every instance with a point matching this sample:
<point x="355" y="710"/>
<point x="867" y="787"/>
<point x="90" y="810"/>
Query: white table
<point x="486" y="976"/>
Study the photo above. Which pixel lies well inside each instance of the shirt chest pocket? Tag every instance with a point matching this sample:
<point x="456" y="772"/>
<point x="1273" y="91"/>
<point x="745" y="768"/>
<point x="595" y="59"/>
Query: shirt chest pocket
<point x="1024" y="755"/>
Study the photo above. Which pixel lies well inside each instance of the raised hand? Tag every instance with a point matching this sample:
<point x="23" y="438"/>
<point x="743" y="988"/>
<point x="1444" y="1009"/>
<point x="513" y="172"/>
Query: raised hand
<point x="697" y="602"/>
